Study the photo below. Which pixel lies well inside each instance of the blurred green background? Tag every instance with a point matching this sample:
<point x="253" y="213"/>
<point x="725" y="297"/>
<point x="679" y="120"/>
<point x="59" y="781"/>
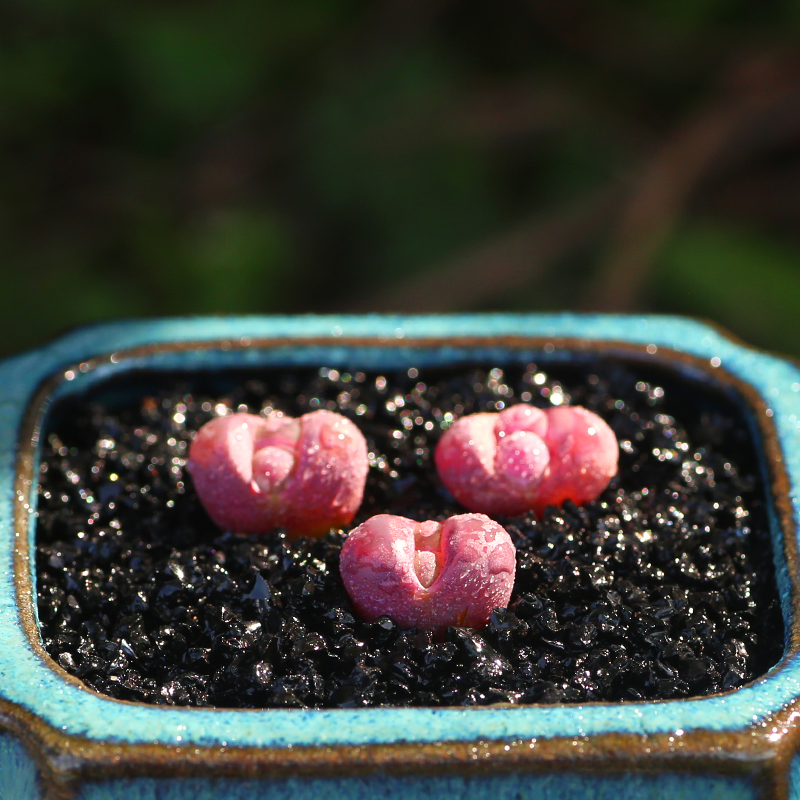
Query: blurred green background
<point x="256" y="156"/>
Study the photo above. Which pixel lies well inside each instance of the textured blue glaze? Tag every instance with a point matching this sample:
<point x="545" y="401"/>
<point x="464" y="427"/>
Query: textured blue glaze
<point x="19" y="779"/>
<point x="794" y="779"/>
<point x="500" y="787"/>
<point x="27" y="681"/>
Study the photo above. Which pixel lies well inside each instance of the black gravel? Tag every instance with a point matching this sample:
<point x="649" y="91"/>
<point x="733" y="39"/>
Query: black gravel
<point x="663" y="588"/>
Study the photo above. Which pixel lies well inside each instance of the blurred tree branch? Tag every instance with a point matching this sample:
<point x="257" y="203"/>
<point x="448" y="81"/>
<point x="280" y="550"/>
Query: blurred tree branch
<point x="760" y="109"/>
<point x="499" y="267"/>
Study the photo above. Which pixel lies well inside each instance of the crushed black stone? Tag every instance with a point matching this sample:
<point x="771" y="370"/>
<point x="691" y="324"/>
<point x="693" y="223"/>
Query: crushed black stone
<point x="663" y="588"/>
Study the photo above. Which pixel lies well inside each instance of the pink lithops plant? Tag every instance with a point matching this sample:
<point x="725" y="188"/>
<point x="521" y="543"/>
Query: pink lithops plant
<point x="526" y="458"/>
<point x="429" y="575"/>
<point x="253" y="474"/>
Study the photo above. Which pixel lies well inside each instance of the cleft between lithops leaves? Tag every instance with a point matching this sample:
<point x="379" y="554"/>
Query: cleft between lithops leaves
<point x="275" y="455"/>
<point x="428" y="558"/>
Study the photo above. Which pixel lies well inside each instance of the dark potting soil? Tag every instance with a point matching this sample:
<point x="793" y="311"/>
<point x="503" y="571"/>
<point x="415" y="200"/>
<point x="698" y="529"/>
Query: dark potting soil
<point x="663" y="588"/>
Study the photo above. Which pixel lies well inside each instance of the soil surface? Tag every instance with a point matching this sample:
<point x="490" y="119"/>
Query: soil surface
<point x="662" y="588"/>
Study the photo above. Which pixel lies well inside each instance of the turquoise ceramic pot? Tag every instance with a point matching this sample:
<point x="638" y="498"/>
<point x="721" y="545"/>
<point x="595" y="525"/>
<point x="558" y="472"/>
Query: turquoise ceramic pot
<point x="60" y="740"/>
